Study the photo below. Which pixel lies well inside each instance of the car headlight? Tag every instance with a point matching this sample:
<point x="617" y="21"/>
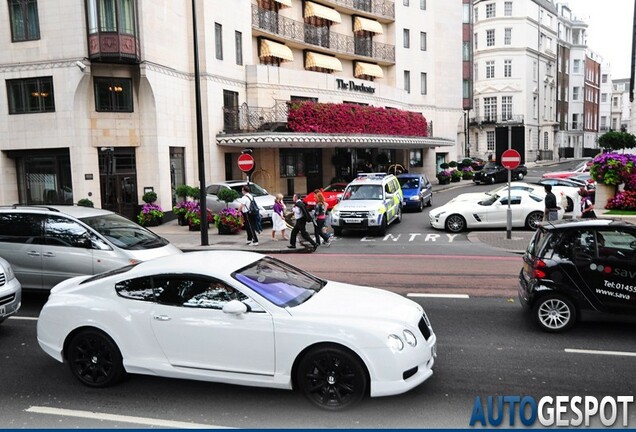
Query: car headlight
<point x="8" y="272"/>
<point x="410" y="338"/>
<point x="415" y="198"/>
<point x="335" y="213"/>
<point x="438" y="214"/>
<point x="373" y="214"/>
<point x="395" y="342"/>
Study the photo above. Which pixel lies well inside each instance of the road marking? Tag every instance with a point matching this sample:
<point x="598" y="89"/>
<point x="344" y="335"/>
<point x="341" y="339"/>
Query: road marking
<point x="120" y="418"/>
<point x="599" y="352"/>
<point x="24" y="318"/>
<point x="448" y="296"/>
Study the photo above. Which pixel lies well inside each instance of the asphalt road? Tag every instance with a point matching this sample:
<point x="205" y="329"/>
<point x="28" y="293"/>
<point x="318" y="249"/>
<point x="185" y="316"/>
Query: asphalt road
<point x="487" y="346"/>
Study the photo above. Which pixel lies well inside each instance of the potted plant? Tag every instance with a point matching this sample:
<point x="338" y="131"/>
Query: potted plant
<point x="625" y="199"/>
<point x="181" y="210"/>
<point x="456" y="175"/>
<point x="183" y="192"/>
<point x="444" y="177"/>
<point x="85" y="202"/>
<point x="150" y="215"/>
<point x="467" y="172"/>
<point x="149" y="197"/>
<point x="609" y="170"/>
<point x="229" y="221"/>
<point x="194" y="217"/>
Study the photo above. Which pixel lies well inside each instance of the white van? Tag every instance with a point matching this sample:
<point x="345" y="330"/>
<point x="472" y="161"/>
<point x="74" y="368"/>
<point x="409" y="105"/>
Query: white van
<point x="48" y="244"/>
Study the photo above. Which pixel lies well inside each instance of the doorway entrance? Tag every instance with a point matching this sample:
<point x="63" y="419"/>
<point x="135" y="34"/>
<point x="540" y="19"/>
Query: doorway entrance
<point x="118" y="181"/>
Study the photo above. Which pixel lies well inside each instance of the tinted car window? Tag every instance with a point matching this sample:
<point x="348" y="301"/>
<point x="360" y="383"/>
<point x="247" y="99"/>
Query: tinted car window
<point x="20" y="228"/>
<point x="60" y="231"/>
<point x="123" y="233"/>
<point x="255" y="189"/>
<point x="213" y="190"/>
<point x="616" y="244"/>
<point x="197" y="292"/>
<point x="136" y="289"/>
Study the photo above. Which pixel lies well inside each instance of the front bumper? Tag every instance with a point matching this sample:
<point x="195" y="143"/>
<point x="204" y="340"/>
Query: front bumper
<point x="10" y="298"/>
<point x="437" y="222"/>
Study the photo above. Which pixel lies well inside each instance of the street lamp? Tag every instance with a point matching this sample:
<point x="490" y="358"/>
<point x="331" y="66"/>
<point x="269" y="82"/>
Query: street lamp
<point x="203" y="207"/>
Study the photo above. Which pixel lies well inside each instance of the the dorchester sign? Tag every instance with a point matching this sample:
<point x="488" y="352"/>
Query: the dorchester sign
<point x="352" y="86"/>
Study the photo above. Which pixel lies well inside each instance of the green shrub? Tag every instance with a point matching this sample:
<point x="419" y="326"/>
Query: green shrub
<point x="85" y="202"/>
<point x="149" y="197"/>
<point x="227" y="195"/>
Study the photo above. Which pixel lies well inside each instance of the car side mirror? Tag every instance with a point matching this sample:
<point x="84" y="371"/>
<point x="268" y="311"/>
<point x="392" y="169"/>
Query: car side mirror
<point x="234" y="307"/>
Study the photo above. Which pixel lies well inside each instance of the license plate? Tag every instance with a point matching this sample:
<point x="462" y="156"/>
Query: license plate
<point x="353" y="220"/>
<point x="3" y="310"/>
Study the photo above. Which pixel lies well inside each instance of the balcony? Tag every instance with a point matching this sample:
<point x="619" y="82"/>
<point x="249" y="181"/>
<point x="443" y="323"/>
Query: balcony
<point x="502" y="120"/>
<point x="114" y="47"/>
<point x="245" y="118"/>
<point x="300" y="35"/>
<point x="383" y="10"/>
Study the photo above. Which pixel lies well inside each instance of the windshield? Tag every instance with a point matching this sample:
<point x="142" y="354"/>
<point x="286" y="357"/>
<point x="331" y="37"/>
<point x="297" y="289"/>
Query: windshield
<point x="492" y="166"/>
<point x="123" y="233"/>
<point x="335" y="188"/>
<point x="490" y="200"/>
<point x="409" y="183"/>
<point x="280" y="283"/>
<point x="255" y="189"/>
<point x="363" y="192"/>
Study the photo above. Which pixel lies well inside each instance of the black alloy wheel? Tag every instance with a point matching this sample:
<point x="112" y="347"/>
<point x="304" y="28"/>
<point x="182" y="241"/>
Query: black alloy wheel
<point x="332" y="378"/>
<point x="383" y="226"/>
<point x="455" y="223"/>
<point x="94" y="359"/>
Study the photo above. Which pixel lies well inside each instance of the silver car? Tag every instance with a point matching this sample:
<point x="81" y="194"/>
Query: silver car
<point x="264" y="200"/>
<point x="48" y="244"/>
<point x="10" y="291"/>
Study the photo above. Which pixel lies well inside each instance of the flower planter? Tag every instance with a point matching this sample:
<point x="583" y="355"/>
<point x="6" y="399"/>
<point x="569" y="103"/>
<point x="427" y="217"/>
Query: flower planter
<point x="181" y="219"/>
<point x="152" y="222"/>
<point x="444" y="181"/>
<point x="603" y="193"/>
<point x="226" y="230"/>
<point x="194" y="227"/>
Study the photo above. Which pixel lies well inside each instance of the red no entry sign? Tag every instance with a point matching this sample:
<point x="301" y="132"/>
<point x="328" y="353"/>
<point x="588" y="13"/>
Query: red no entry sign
<point x="510" y="159"/>
<point x="246" y="162"/>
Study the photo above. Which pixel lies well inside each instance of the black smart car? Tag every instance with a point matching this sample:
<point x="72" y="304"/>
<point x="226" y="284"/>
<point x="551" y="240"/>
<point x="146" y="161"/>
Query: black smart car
<point x="572" y="266"/>
<point x="494" y="172"/>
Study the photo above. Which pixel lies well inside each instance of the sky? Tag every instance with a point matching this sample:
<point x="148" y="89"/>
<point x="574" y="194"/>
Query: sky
<point x="609" y="32"/>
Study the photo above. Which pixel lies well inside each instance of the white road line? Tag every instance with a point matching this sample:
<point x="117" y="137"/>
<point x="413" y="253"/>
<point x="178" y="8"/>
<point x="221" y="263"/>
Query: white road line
<point x="24" y="318"/>
<point x="599" y="352"/>
<point x="449" y="296"/>
<point x="120" y="418"/>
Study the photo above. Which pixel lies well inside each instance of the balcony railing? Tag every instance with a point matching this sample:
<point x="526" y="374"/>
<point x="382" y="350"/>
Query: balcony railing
<point x="502" y="120"/>
<point x="382" y="8"/>
<point x="245" y="118"/>
<point x="271" y="22"/>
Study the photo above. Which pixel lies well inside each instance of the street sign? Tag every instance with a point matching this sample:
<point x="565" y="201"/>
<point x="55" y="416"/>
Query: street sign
<point x="246" y="162"/>
<point x="510" y="159"/>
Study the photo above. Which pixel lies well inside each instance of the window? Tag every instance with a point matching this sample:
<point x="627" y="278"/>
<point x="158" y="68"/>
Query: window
<point x="507" y="68"/>
<point x="490" y="108"/>
<point x="466" y="51"/>
<point x="576" y="66"/>
<point x="476" y="13"/>
<point x="476" y="41"/>
<point x="405" y="2"/>
<point x="21" y="228"/>
<point x="575" y="121"/>
<point x="415" y="158"/>
<point x="111" y="16"/>
<point x="136" y="289"/>
<point x="423" y="4"/>
<point x="407" y="81"/>
<point x="291" y="163"/>
<point x="113" y="95"/>
<point x="31" y="95"/>
<point x="476" y="71"/>
<point x="60" y="231"/>
<point x="218" y="40"/>
<point x="615" y="102"/>
<point x="506" y="108"/>
<point x="575" y="93"/>
<point x="508" y="36"/>
<point x="604" y="78"/>
<point x="466" y="14"/>
<point x="24" y="20"/>
<point x="238" y="42"/>
<point x="546" y="141"/>
<point x="230" y="111"/>
<point x="490" y="10"/>
<point x="535" y="70"/>
<point x="490" y="69"/>
<point x="508" y="8"/>
<point x="603" y="97"/>
<point x="423" y="83"/>
<point x="407" y="38"/>
<point x="422" y="41"/>
<point x="466" y="89"/>
<point x="490" y="141"/>
<point x="490" y="37"/>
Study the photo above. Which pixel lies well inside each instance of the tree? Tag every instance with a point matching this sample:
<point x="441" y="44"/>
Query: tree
<point x="614" y="140"/>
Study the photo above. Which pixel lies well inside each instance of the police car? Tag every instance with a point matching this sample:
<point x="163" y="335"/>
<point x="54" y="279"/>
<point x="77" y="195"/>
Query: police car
<point x="371" y="202"/>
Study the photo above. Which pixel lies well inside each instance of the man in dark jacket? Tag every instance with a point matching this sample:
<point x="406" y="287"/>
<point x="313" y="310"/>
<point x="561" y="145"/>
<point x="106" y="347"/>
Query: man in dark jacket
<point x="551" y="212"/>
<point x="301" y="217"/>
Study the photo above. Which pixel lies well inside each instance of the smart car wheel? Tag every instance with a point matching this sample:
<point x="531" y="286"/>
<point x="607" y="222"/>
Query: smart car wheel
<point x="94" y="359"/>
<point x="455" y="223"/>
<point x="554" y="313"/>
<point x="533" y="220"/>
<point x="331" y="378"/>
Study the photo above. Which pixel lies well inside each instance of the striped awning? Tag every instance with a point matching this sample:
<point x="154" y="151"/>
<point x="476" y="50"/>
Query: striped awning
<point x="274" y="49"/>
<point x="316" y="10"/>
<point x="368" y="69"/>
<point x="313" y="59"/>
<point x="286" y="3"/>
<point x="364" y="24"/>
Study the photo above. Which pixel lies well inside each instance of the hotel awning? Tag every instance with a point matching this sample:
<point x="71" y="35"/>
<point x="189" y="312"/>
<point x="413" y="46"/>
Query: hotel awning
<point x="320" y="11"/>
<point x="286" y="3"/>
<point x="364" y="24"/>
<point x="274" y="49"/>
<point x="313" y="59"/>
<point x="368" y="69"/>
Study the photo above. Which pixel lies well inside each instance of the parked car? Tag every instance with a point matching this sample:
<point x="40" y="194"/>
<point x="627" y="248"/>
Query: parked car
<point x="239" y="318"/>
<point x="371" y="202"/>
<point x="581" y="168"/>
<point x="10" y="291"/>
<point x="565" y="182"/>
<point x="48" y="244"/>
<point x="494" y="172"/>
<point x="332" y="194"/>
<point x="263" y="198"/>
<point x="417" y="191"/>
<point x="577" y="266"/>
<point x="458" y="215"/>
